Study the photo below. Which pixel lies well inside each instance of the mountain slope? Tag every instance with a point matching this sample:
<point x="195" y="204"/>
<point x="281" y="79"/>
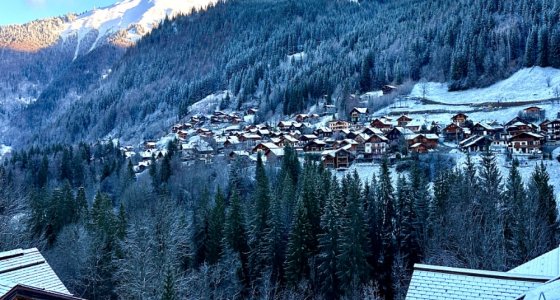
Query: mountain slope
<point x="342" y="47"/>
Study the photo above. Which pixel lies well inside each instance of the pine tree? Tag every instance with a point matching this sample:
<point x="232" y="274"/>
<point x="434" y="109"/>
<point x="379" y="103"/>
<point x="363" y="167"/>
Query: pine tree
<point x="514" y="214"/>
<point x="546" y="205"/>
<point x="554" y="48"/>
<point x="386" y="200"/>
<point x="43" y="174"/>
<point x="329" y="245"/>
<point x="216" y="228"/>
<point x="169" y="286"/>
<point x="542" y="54"/>
<point x="201" y="229"/>
<point x="420" y="204"/>
<point x="353" y="243"/>
<point x="82" y="205"/>
<point x="298" y="253"/>
<point x="408" y="236"/>
<point x="262" y="207"/>
<point x="236" y="235"/>
<point x="531" y="48"/>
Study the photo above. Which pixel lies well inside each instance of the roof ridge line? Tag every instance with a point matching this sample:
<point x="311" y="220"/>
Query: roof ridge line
<point x="482" y="273"/>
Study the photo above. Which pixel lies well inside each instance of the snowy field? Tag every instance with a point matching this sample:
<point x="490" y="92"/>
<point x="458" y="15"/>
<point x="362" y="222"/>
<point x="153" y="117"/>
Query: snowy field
<point x="527" y="84"/>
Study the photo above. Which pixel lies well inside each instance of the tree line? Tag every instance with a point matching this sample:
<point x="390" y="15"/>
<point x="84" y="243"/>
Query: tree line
<point x="292" y="231"/>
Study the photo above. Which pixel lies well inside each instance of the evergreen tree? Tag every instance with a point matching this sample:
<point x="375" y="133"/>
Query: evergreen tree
<point x="236" y="235"/>
<point x="531" y="48"/>
<point x="43" y="174"/>
<point x="542" y="54"/>
<point x="353" y="243"/>
<point x="169" y="287"/>
<point x="260" y="221"/>
<point x="386" y="200"/>
<point x="546" y="205"/>
<point x="216" y="228"/>
<point x="514" y="214"/>
<point x="329" y="248"/>
<point x="299" y="253"/>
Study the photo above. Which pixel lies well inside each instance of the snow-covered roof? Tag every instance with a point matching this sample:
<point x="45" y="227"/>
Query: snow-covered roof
<point x="29" y="268"/>
<point x="547" y="264"/>
<point x="434" y="282"/>
<point x="361" y="110"/>
<point x="550" y="290"/>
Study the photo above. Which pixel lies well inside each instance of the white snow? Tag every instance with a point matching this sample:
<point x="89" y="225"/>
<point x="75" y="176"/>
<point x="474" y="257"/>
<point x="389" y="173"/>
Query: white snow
<point x="209" y="103"/>
<point x="123" y="14"/>
<point x="526" y="84"/>
<point x="4" y="150"/>
<point x="297" y="56"/>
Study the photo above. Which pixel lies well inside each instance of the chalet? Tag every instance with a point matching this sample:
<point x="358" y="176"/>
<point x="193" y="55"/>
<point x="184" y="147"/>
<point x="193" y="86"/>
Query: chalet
<point x="520" y="127"/>
<point x="274" y="156"/>
<point x="388" y="89"/>
<point x="429" y="140"/>
<point x="338" y="125"/>
<point x="302" y="118"/>
<point x="453" y="132"/>
<point x="371" y="131"/>
<point x="239" y="154"/>
<point x="403" y="120"/>
<point x="532" y="110"/>
<point x="516" y="120"/>
<point x="284" y="125"/>
<point x="231" y="142"/>
<point x="533" y="113"/>
<point x="250" y="138"/>
<point x="26" y="275"/>
<point x="182" y="134"/>
<point x="476" y="143"/>
<point x="308" y="137"/>
<point x="359" y="114"/>
<point x="252" y="111"/>
<point x="148" y="145"/>
<point x="288" y="140"/>
<point x="382" y="124"/>
<point x="459" y="119"/>
<point x="415" y="125"/>
<point x="375" y="145"/>
<point x="336" y="159"/>
<point x="264" y="147"/>
<point x="553" y="130"/>
<point x="361" y="138"/>
<point x="419" y="148"/>
<point x="525" y="143"/>
<point x="323" y="132"/>
<point x="315" y="146"/>
<point x="481" y="128"/>
<point x="397" y="134"/>
<point x="348" y="144"/>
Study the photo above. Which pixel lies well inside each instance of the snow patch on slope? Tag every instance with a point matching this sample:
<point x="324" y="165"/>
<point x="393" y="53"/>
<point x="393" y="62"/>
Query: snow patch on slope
<point x="526" y="84"/>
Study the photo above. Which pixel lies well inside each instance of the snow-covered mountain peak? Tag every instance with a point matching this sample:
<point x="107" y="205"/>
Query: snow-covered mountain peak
<point x="134" y="18"/>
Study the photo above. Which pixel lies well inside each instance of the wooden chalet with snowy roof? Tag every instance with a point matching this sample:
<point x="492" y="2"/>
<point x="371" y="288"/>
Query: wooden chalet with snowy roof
<point x="476" y="143"/>
<point x="459" y="119"/>
<point x="336" y="159"/>
<point x="359" y="115"/>
<point x="323" y="132"/>
<point x="315" y="146"/>
<point x="525" y="143"/>
<point x="430" y="141"/>
<point x="382" y="124"/>
<point x="551" y="129"/>
<point x="453" y="132"/>
<point x="403" y="120"/>
<point x="375" y="146"/>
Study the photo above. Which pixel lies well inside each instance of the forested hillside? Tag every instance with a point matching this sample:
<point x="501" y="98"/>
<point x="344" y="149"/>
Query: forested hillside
<point x="247" y="46"/>
<point x="293" y="232"/>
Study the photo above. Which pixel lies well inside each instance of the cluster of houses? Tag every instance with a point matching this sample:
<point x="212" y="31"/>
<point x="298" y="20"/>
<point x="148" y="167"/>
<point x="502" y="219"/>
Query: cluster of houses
<point x="339" y="143"/>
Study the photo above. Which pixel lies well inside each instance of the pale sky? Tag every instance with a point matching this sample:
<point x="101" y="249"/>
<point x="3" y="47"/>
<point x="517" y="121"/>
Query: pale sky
<point x="23" y="11"/>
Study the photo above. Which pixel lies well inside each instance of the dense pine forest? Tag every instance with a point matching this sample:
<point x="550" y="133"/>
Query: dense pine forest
<point x="248" y="47"/>
<point x="289" y="232"/>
